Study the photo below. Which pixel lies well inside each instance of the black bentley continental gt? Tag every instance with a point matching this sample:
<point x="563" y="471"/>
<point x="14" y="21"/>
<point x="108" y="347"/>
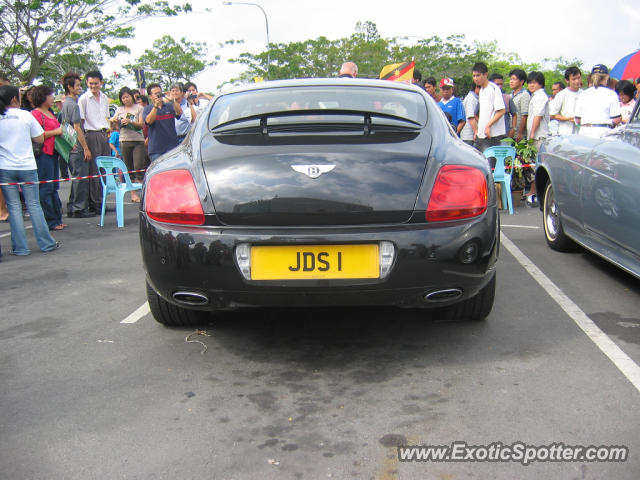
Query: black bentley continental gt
<point x="323" y="192"/>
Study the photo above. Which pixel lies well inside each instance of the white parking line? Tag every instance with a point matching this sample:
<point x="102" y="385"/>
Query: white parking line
<point x="518" y="226"/>
<point x="620" y="359"/>
<point x="8" y="234"/>
<point x="140" y="312"/>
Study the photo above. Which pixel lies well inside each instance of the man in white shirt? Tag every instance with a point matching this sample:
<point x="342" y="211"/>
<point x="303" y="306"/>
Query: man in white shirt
<point x="183" y="124"/>
<point x="470" y="104"/>
<point x="564" y="103"/>
<point x="537" y="121"/>
<point x="598" y="108"/>
<point x="94" y="111"/>
<point x="491" y="129"/>
<point x="520" y="98"/>
<point x="200" y="100"/>
<point x="538" y="118"/>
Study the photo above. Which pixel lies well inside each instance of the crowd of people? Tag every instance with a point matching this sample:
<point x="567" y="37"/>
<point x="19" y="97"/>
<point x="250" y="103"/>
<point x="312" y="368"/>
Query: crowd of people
<point x="145" y="127"/>
<point x="31" y="119"/>
<point x="487" y="115"/>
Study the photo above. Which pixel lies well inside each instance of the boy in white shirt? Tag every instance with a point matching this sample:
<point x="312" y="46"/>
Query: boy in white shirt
<point x="491" y="128"/>
<point x="537" y="121"/>
<point x="564" y="104"/>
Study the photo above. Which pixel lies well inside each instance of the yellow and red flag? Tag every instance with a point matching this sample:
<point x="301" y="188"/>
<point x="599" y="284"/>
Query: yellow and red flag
<point x="398" y="72"/>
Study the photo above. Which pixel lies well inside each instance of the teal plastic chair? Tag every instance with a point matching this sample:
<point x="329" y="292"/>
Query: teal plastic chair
<point x="500" y="153"/>
<point x="114" y="184"/>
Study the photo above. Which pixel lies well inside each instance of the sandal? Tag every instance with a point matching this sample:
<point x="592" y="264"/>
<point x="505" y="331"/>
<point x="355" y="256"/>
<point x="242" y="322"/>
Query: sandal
<point x="57" y="227"/>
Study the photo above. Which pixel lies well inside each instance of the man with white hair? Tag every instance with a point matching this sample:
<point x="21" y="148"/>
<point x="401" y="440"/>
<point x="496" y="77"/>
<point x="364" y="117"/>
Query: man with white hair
<point x="348" y="70"/>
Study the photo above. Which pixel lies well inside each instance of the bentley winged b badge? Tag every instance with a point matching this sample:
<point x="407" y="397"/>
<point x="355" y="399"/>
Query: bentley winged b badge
<point x="313" y="171"/>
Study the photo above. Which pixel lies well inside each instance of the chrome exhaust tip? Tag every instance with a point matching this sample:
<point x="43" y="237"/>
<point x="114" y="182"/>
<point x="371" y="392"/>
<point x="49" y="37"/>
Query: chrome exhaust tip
<point x="443" y="295"/>
<point x="190" y="298"/>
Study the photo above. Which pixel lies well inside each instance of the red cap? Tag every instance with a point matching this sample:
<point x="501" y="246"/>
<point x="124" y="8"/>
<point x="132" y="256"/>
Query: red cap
<point x="446" y="82"/>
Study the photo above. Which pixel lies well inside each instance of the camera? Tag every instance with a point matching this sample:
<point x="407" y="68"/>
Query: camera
<point x="192" y="97"/>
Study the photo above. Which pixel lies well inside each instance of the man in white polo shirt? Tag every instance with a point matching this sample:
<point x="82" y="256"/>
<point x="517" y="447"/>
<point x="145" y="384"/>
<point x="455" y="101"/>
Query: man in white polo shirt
<point x="94" y="110"/>
<point x="598" y="108"/>
<point x="491" y="129"/>
<point x="537" y="120"/>
<point x="563" y="106"/>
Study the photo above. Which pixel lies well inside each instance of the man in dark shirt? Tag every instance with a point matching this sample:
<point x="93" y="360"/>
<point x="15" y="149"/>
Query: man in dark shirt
<point x="80" y="156"/>
<point x="160" y="116"/>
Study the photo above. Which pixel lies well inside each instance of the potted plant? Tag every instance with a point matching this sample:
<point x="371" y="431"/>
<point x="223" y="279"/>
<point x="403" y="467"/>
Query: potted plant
<point x="526" y="153"/>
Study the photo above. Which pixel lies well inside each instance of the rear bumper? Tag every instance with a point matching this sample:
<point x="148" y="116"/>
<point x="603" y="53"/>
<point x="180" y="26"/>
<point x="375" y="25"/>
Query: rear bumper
<point x="202" y="260"/>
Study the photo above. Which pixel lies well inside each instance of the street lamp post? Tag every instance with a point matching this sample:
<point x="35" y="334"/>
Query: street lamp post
<point x="266" y="22"/>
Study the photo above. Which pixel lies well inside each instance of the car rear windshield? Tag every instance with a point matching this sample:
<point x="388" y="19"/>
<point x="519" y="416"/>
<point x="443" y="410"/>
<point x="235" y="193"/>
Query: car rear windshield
<point x="336" y="100"/>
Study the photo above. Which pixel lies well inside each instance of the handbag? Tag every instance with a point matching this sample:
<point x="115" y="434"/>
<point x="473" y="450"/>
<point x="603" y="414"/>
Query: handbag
<point x="37" y="147"/>
<point x="64" y="143"/>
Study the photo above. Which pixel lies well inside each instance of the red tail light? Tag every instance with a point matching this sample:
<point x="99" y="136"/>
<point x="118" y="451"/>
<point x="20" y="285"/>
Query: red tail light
<point x="171" y="197"/>
<point x="459" y="192"/>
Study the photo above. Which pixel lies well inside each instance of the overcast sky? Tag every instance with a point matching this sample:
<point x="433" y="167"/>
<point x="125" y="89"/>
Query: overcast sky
<point x="595" y="31"/>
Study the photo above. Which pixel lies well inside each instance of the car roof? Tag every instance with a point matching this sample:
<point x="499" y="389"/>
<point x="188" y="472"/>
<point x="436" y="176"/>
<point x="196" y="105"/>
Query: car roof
<point x="322" y="82"/>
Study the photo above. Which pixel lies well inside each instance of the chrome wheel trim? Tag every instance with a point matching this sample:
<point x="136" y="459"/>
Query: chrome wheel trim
<point x="551" y="214"/>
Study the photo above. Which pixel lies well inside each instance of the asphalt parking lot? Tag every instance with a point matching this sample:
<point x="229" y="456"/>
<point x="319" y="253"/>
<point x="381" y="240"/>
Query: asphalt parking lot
<point x="306" y="394"/>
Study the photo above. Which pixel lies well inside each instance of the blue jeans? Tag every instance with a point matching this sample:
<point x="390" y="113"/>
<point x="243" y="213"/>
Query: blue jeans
<point x="49" y="199"/>
<point x="32" y="199"/>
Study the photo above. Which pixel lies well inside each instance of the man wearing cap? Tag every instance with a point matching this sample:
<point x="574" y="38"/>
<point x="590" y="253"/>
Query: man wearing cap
<point x="452" y="105"/>
<point x="598" y="108"/>
<point x="58" y="100"/>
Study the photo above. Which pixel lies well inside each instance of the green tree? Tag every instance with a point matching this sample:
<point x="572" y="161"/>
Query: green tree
<point x="452" y="56"/>
<point x="37" y="34"/>
<point x="170" y="61"/>
<point x="76" y="60"/>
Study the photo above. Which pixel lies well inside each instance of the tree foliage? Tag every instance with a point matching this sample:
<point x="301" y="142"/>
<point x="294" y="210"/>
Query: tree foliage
<point x="452" y="56"/>
<point x="36" y="36"/>
<point x="169" y="61"/>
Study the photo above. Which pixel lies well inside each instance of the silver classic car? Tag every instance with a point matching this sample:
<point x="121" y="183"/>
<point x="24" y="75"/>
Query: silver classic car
<point x="590" y="193"/>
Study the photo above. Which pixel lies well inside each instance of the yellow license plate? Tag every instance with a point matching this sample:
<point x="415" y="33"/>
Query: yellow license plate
<point x="300" y="262"/>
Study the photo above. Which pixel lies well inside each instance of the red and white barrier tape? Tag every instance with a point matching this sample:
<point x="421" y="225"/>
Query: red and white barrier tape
<point x="69" y="179"/>
<point x="508" y="167"/>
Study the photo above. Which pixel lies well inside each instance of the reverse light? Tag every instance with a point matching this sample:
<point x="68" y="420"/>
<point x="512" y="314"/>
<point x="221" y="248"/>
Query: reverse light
<point x="387" y="253"/>
<point x="243" y="256"/>
<point x="459" y="192"/>
<point x="171" y="197"/>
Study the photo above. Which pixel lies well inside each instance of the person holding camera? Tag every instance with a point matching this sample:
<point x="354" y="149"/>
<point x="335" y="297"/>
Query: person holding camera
<point x="200" y="100"/>
<point x="160" y="116"/>
<point x="129" y="118"/>
<point x="183" y="123"/>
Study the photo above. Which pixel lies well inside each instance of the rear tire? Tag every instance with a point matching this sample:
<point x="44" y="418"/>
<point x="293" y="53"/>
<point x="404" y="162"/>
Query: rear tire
<point x="171" y="315"/>
<point x="474" y="309"/>
<point x="551" y="219"/>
